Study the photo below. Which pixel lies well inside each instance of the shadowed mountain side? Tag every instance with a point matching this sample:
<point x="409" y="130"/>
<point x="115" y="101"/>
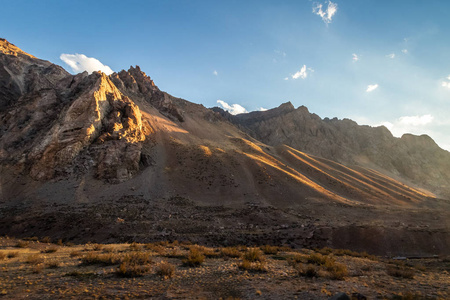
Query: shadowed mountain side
<point x="418" y="159"/>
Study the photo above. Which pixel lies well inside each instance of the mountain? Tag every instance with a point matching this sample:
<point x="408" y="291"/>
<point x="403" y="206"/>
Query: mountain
<point x="113" y="158"/>
<point x="417" y="159"/>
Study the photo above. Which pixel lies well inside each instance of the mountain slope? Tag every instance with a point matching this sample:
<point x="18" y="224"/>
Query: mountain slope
<point x="417" y="159"/>
<point x="94" y="148"/>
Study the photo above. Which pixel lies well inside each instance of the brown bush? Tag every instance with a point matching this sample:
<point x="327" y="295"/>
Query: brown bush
<point x="52" y="249"/>
<point x="267" y="249"/>
<point x="129" y="269"/>
<point x="165" y="270"/>
<point x="230" y="252"/>
<point x="309" y="270"/>
<point x="2" y="255"/>
<point x="400" y="271"/>
<point x="12" y="254"/>
<point x="22" y="244"/>
<point x="34" y="259"/>
<point x="253" y="254"/>
<point x="337" y="271"/>
<point x="195" y="258"/>
<point x="253" y="266"/>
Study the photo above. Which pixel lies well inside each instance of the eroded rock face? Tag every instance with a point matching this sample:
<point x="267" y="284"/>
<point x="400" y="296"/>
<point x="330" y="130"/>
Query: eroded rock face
<point x="50" y="119"/>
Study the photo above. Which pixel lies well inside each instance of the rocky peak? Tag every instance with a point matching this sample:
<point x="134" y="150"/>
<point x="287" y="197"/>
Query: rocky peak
<point x="11" y="49"/>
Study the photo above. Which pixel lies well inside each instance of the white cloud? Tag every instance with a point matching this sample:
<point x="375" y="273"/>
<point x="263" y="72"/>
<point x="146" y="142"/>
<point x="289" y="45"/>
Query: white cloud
<point x="286" y="78"/>
<point x="392" y="55"/>
<point x="262" y="109"/>
<point x="405" y="51"/>
<point x="355" y="57"/>
<point x="446" y="83"/>
<point x="80" y="63"/>
<point x="303" y="73"/>
<point x="215" y="73"/>
<point x="415" y="120"/>
<point x="371" y="87"/>
<point x="233" y="109"/>
<point x="328" y="14"/>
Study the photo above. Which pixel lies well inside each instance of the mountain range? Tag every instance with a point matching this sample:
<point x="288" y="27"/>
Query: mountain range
<point x="96" y="157"/>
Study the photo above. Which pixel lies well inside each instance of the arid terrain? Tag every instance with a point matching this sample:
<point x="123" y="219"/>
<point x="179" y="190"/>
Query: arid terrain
<point x="91" y="158"/>
<point x="180" y="270"/>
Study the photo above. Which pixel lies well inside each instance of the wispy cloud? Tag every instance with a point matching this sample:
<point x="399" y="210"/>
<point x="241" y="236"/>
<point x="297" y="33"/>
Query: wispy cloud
<point x="355" y="57"/>
<point x="215" y="73"/>
<point x="262" y="109"/>
<point x="328" y="13"/>
<point x="409" y="124"/>
<point x="392" y="55"/>
<point x="371" y="87"/>
<point x="405" y="51"/>
<point x="80" y="63"/>
<point x="446" y="82"/>
<point x="303" y="73"/>
<point x="233" y="109"/>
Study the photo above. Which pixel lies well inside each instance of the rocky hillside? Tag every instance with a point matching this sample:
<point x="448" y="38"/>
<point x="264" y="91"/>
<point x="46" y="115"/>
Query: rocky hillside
<point x="417" y="159"/>
<point x="92" y="149"/>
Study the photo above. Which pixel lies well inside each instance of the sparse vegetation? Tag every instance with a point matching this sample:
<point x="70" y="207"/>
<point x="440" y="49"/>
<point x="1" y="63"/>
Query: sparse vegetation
<point x="12" y="254"/>
<point x="22" y="244"/>
<point x="253" y="254"/>
<point x="165" y="270"/>
<point x="195" y="257"/>
<point x="51" y="249"/>
<point x="2" y="255"/>
<point x="230" y="252"/>
<point x="400" y="271"/>
<point x="267" y="249"/>
<point x="35" y="259"/>
<point x="94" y="274"/>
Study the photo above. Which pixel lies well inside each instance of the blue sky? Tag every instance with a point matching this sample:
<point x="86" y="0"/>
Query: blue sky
<point x="373" y="61"/>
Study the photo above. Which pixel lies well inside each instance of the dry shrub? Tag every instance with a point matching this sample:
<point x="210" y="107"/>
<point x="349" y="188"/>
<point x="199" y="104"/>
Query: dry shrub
<point x="52" y="249"/>
<point x="101" y="259"/>
<point x="400" y="271"/>
<point x="337" y="271"/>
<point x="97" y="247"/>
<point x="37" y="269"/>
<point x="165" y="270"/>
<point x="46" y="239"/>
<point x="253" y="254"/>
<point x="208" y="252"/>
<point x="22" y="244"/>
<point x="108" y="249"/>
<point x="34" y="259"/>
<point x="267" y="249"/>
<point x="230" y="252"/>
<point x="308" y="270"/>
<point x="129" y="269"/>
<point x="253" y="266"/>
<point x="2" y="255"/>
<point x="12" y="254"/>
<point x="296" y="259"/>
<point x="53" y="265"/>
<point x="139" y="258"/>
<point x="175" y="253"/>
<point x="75" y="253"/>
<point x="155" y="248"/>
<point x="195" y="258"/>
<point x="317" y="259"/>
<point x="135" y="247"/>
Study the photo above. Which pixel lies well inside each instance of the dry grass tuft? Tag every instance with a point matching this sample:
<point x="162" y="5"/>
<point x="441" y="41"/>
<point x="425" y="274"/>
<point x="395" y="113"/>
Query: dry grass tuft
<point x="12" y="254"/>
<point x="51" y="249"/>
<point x="129" y="269"/>
<point x="34" y="259"/>
<point x="2" y="255"/>
<point x="22" y="244"/>
<point x="267" y="249"/>
<point x="308" y="270"/>
<point x="230" y="252"/>
<point x="195" y="258"/>
<point x="253" y="266"/>
<point x="253" y="254"/>
<point x="108" y="259"/>
<point x="165" y="270"/>
<point x="400" y="271"/>
<point x="337" y="271"/>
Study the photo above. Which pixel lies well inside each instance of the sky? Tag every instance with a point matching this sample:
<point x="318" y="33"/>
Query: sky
<point x="377" y="62"/>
